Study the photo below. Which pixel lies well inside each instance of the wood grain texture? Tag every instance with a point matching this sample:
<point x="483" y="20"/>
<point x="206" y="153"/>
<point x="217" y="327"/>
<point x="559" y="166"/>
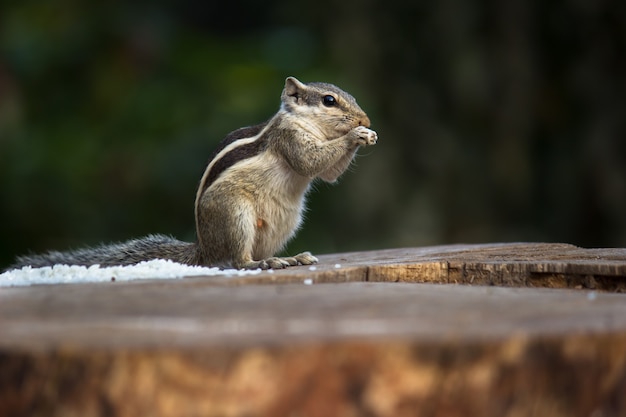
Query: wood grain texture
<point x="549" y="265"/>
<point x="383" y="338"/>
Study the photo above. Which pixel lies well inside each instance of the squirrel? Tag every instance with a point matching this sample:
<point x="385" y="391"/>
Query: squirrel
<point x="251" y="197"/>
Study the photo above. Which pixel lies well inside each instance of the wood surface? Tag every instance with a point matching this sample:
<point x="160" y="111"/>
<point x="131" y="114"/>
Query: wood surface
<point x="550" y="265"/>
<point x="380" y="337"/>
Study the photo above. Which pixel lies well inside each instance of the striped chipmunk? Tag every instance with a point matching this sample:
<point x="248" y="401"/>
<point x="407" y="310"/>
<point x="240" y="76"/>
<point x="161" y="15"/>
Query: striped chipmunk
<point x="251" y="197"/>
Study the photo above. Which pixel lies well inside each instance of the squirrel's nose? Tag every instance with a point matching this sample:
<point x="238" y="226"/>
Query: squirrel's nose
<point x="364" y="121"/>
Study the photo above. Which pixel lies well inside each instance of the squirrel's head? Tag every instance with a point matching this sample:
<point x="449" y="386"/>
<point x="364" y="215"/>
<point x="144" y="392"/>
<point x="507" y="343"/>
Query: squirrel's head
<point x="329" y="107"/>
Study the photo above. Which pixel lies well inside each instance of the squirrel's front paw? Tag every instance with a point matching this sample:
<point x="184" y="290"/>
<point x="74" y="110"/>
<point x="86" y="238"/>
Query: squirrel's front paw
<point x="364" y="136"/>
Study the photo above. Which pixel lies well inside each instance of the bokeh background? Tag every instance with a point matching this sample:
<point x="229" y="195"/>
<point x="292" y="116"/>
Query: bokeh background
<point x="498" y="121"/>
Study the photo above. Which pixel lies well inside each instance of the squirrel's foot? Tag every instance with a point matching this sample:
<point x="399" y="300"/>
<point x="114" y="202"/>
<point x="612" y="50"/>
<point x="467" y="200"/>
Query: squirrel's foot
<point x="306" y="258"/>
<point x="275" y="262"/>
<point x="364" y="136"/>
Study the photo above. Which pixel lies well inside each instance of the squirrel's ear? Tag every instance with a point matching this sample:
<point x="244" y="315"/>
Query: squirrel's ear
<point x="293" y="87"/>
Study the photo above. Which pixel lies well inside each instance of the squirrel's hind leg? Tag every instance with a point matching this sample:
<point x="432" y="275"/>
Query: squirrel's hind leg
<point x="231" y="234"/>
<point x="275" y="262"/>
<point x="306" y="258"/>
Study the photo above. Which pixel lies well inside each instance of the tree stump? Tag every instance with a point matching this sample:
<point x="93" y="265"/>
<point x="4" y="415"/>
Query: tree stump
<point x="381" y="337"/>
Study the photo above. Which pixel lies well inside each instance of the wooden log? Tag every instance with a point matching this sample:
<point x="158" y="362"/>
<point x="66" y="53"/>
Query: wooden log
<point x="387" y="347"/>
<point x="546" y="265"/>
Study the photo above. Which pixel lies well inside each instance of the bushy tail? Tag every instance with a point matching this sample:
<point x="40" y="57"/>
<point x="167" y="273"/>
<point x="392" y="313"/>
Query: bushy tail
<point x="124" y="253"/>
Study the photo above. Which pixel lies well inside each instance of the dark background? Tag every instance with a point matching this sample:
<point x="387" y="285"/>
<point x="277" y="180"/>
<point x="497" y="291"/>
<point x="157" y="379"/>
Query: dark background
<point x="498" y="121"/>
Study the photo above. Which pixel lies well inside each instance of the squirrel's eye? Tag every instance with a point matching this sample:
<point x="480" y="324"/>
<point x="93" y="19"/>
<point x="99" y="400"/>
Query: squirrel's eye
<point x="329" y="101"/>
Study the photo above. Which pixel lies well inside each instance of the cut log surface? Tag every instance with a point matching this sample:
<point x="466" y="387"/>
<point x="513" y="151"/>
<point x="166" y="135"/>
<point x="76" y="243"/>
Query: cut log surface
<point x="550" y="265"/>
<point x="382" y="338"/>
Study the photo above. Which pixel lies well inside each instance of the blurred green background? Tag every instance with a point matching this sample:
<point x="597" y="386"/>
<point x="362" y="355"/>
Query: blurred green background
<point x="498" y="121"/>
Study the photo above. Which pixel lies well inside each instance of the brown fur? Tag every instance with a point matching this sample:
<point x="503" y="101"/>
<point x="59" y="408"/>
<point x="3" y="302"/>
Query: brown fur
<point x="252" y="195"/>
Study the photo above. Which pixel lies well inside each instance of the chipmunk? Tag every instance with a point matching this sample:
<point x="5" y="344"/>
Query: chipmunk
<point x="252" y="195"/>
